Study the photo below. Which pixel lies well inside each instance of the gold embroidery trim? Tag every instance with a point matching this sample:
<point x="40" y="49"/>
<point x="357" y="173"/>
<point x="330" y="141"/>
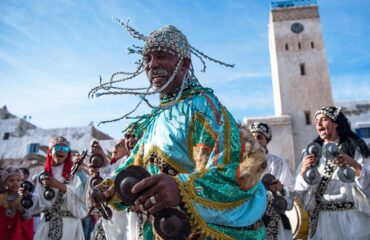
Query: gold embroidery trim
<point x="214" y="109"/>
<point x="190" y="140"/>
<point x="195" y="219"/>
<point x="227" y="134"/>
<point x="167" y="159"/>
<point x="207" y="203"/>
<point x="207" y="127"/>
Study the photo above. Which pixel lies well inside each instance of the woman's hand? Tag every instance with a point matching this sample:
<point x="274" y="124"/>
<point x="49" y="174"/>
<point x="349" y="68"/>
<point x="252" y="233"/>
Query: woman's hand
<point x="307" y="162"/>
<point x="344" y="159"/>
<point x="48" y="181"/>
<point x="276" y="186"/>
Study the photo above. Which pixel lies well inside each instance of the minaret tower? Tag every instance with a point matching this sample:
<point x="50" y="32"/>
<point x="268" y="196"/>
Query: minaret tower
<point x="300" y="74"/>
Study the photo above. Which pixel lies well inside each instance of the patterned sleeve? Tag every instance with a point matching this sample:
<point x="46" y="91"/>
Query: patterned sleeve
<point x="218" y="205"/>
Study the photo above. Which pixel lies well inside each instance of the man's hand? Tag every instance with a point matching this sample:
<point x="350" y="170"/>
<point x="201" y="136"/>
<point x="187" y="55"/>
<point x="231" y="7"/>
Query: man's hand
<point x="106" y="193"/>
<point x="307" y="162"/>
<point x="93" y="171"/>
<point x="161" y="191"/>
<point x="276" y="186"/>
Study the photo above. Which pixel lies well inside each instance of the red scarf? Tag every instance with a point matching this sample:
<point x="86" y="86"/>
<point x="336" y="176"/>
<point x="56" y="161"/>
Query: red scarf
<point x="66" y="173"/>
<point x="113" y="160"/>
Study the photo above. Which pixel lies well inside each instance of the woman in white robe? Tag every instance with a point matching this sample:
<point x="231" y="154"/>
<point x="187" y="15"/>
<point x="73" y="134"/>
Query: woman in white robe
<point x="61" y="216"/>
<point x="338" y="210"/>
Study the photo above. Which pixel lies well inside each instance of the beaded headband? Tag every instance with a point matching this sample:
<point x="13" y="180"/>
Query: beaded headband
<point x="58" y="140"/>
<point x="332" y="112"/>
<point x="168" y="39"/>
<point x="10" y="171"/>
<point x="261" y="128"/>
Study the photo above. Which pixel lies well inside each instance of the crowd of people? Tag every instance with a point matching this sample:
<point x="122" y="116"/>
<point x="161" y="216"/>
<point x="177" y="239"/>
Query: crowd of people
<point x="205" y="176"/>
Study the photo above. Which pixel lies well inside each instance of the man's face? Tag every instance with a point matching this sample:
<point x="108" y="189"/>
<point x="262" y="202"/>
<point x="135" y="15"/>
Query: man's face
<point x="326" y="128"/>
<point x="13" y="183"/>
<point x="261" y="139"/>
<point x="59" y="153"/>
<point x="159" y="67"/>
<point x="119" y="149"/>
<point x="130" y="141"/>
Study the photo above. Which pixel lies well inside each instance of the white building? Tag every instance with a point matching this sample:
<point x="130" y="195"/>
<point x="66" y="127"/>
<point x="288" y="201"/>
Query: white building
<point x="24" y="144"/>
<point x="301" y="80"/>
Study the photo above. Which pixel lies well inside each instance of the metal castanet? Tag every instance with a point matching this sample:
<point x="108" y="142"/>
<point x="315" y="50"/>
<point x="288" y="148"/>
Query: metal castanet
<point x="126" y="180"/>
<point x="172" y="224"/>
<point x="169" y="223"/>
<point x="279" y="203"/>
<point x="94" y="181"/>
<point x="345" y="173"/>
<point x="49" y="193"/>
<point x="312" y="175"/>
<point x="97" y="160"/>
<point x="26" y="201"/>
<point x="101" y="204"/>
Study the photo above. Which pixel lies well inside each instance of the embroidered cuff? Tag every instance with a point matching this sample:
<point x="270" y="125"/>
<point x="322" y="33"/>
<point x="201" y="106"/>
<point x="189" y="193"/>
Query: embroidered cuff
<point x="196" y="220"/>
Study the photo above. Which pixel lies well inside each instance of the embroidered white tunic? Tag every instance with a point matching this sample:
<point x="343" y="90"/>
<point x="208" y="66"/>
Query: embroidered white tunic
<point x="73" y="202"/>
<point x="342" y="224"/>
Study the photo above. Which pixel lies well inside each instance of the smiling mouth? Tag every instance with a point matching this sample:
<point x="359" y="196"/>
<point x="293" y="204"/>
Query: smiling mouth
<point x="157" y="80"/>
<point x="159" y="75"/>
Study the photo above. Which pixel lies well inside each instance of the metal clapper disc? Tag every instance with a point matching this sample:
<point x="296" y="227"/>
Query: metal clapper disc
<point x="172" y="224"/>
<point x="125" y="181"/>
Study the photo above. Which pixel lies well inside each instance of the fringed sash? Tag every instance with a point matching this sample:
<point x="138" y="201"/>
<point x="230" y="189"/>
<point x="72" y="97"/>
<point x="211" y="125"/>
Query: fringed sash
<point x="54" y="216"/>
<point x="331" y="206"/>
<point x="271" y="220"/>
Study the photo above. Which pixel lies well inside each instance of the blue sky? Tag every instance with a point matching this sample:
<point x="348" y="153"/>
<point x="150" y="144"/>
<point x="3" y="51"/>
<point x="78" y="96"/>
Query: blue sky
<point x="52" y="53"/>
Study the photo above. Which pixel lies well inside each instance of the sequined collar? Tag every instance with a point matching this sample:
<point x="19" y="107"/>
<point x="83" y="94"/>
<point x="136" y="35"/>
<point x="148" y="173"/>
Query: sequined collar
<point x="188" y="92"/>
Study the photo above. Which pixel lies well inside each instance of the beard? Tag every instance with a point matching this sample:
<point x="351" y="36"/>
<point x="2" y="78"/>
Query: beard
<point x="158" y="78"/>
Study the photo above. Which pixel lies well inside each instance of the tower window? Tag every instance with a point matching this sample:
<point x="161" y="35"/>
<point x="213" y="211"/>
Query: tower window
<point x="286" y="47"/>
<point x="307" y="116"/>
<point x="6" y="136"/>
<point x="299" y="46"/>
<point x="312" y="45"/>
<point x="302" y="69"/>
